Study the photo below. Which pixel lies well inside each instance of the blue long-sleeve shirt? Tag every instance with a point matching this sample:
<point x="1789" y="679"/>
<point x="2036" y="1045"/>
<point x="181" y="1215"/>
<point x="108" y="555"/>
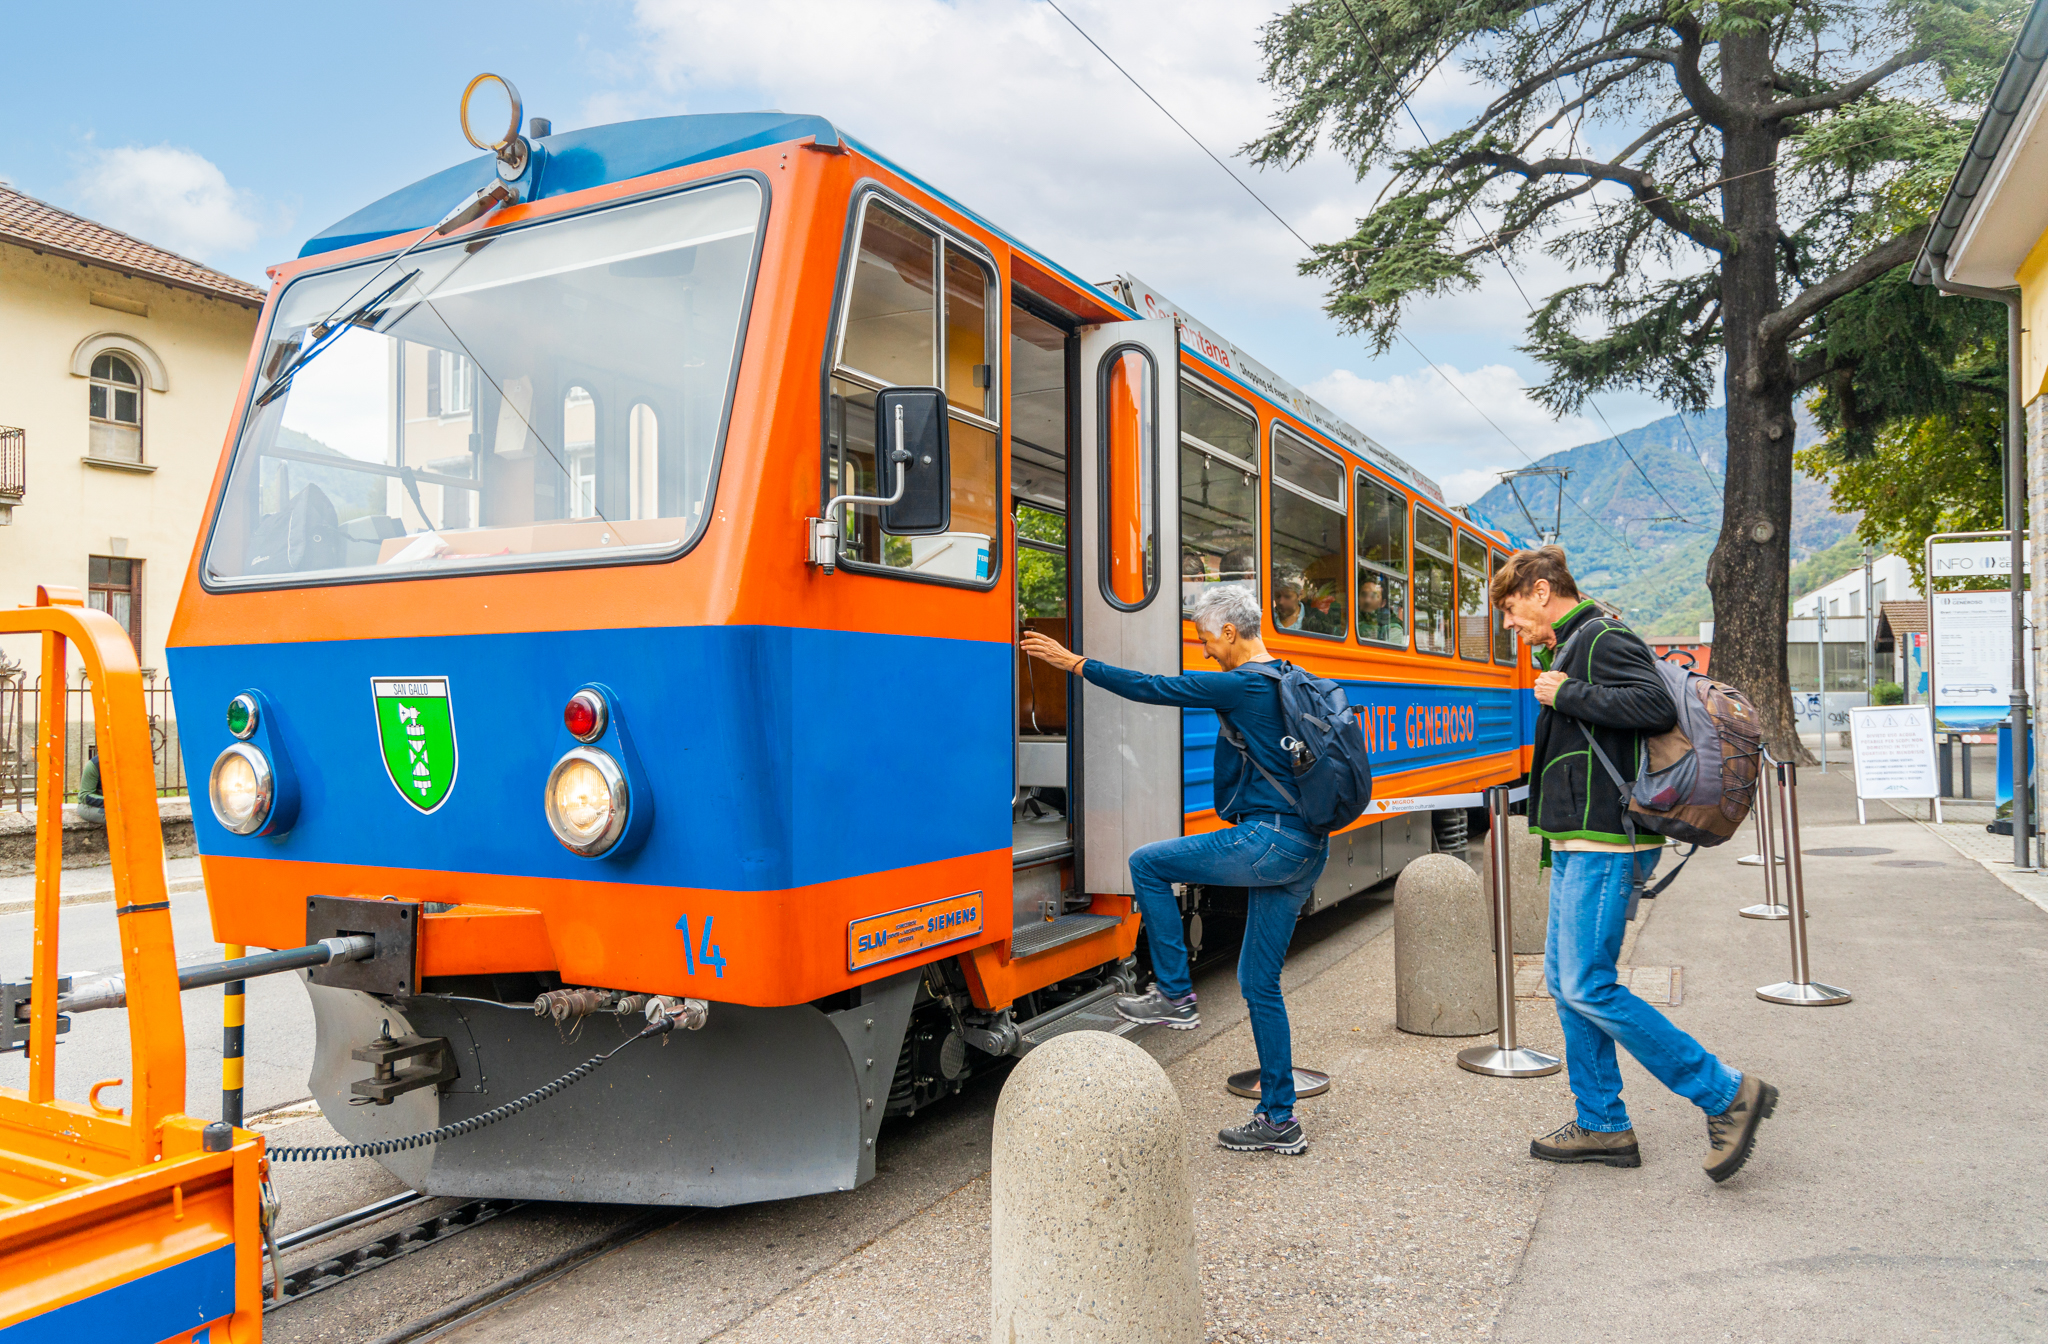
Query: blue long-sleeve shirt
<point x="1251" y="699"/>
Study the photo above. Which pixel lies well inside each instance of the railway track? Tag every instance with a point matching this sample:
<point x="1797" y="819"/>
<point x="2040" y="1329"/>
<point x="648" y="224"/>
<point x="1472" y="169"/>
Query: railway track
<point x="407" y="1269"/>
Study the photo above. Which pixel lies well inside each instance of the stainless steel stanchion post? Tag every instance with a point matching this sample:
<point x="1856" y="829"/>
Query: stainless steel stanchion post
<point x="1800" y="991"/>
<point x="1772" y="859"/>
<point x="1757" y="814"/>
<point x="1507" y="1059"/>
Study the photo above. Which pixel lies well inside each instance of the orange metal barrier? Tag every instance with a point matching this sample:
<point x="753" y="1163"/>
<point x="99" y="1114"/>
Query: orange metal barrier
<point x="113" y="1226"/>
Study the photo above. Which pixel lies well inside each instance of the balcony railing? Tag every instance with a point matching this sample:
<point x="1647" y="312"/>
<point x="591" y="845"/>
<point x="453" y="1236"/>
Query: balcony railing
<point x="13" y="464"/>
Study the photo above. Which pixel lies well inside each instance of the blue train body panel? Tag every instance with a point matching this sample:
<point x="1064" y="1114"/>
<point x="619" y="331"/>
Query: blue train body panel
<point x="155" y="1307"/>
<point x="777" y="757"/>
<point x="1406" y="727"/>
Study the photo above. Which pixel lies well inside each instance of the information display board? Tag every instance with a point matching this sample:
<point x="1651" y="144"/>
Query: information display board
<point x="1972" y="658"/>
<point x="1894" y="755"/>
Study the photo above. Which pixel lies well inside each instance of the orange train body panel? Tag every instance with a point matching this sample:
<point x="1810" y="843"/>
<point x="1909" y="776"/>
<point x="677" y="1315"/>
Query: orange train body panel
<point x="803" y="763"/>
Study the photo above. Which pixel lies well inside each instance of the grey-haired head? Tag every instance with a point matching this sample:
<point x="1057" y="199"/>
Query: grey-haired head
<point x="1227" y="604"/>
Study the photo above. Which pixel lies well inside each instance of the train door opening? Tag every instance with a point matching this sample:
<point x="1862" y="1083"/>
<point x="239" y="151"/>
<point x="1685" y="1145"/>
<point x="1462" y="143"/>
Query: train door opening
<point x="1042" y="834"/>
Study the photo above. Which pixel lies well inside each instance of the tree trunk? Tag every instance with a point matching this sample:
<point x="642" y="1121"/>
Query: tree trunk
<point x="1749" y="572"/>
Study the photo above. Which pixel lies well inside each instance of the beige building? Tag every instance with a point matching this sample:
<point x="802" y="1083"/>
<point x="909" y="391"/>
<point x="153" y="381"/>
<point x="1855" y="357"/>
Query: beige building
<point x="119" y="366"/>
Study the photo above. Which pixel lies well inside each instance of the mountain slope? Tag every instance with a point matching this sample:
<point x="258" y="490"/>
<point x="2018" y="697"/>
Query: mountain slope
<point x="1640" y="538"/>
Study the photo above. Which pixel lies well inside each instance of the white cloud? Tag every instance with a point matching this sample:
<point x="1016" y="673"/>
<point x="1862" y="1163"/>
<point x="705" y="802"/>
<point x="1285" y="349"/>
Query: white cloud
<point x="171" y="197"/>
<point x="1005" y="107"/>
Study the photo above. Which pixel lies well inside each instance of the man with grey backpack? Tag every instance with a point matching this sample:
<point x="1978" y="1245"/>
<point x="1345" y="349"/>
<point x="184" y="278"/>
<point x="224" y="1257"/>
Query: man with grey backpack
<point x="1604" y="702"/>
<point x="1290" y="768"/>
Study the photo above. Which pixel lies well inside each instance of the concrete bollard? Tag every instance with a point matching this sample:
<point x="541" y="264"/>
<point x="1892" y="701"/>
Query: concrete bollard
<point x="1529" y="885"/>
<point x="1443" y="950"/>
<point x="1092" y="1221"/>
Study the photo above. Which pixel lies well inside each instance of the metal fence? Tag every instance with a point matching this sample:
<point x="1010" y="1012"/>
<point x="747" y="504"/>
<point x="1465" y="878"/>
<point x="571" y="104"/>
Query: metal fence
<point x="20" y="713"/>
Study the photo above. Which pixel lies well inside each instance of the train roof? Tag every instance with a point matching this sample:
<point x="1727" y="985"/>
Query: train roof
<point x="597" y="156"/>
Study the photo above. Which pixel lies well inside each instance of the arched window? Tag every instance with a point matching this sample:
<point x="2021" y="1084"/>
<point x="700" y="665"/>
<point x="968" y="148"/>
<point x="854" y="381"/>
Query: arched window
<point x="115" y="406"/>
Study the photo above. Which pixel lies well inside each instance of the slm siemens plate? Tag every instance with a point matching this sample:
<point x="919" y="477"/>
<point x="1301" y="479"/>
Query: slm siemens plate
<point x="878" y="938"/>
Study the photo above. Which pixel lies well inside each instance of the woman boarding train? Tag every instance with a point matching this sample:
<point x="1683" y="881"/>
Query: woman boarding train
<point x="608" y="599"/>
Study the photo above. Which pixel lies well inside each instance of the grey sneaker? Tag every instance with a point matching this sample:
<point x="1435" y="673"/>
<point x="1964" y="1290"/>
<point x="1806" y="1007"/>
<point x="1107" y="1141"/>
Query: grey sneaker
<point x="1261" y="1135"/>
<point x="1152" y="1006"/>
<point x="1573" y="1144"/>
<point x="1732" y="1133"/>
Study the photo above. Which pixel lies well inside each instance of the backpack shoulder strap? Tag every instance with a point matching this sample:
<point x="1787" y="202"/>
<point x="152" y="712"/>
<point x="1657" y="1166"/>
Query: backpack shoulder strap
<point x="1236" y="739"/>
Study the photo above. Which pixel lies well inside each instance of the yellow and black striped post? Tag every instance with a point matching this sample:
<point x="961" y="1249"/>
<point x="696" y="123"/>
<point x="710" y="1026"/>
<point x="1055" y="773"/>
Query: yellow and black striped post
<point x="234" y="1006"/>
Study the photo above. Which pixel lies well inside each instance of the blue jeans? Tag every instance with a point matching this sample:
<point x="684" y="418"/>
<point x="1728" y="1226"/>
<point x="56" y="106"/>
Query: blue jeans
<point x="1277" y="863"/>
<point x="1588" y="915"/>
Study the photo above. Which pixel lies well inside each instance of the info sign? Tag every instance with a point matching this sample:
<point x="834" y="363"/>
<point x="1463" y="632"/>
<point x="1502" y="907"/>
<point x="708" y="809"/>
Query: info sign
<point x="1972" y="657"/>
<point x="1894" y="753"/>
<point x="1971" y="559"/>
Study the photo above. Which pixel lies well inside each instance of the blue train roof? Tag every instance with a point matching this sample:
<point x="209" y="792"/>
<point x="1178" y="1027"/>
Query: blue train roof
<point x="576" y="160"/>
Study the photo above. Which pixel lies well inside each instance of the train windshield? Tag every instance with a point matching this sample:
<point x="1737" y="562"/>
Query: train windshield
<point x="551" y="395"/>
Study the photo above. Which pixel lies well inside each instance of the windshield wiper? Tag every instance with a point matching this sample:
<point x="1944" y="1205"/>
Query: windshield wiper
<point x="326" y="333"/>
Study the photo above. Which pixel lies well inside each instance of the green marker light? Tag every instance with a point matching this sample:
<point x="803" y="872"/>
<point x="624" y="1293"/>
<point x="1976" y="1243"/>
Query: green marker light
<point x="242" y="715"/>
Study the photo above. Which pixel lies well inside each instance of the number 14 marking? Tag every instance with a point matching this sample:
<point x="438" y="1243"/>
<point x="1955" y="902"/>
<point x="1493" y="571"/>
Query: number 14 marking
<point x="707" y="951"/>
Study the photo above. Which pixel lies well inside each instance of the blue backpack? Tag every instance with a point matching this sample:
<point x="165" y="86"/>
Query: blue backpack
<point x="1325" y="746"/>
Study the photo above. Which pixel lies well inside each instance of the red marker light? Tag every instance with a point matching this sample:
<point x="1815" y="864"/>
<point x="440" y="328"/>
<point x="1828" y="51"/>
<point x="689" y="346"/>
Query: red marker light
<point x="584" y="715"/>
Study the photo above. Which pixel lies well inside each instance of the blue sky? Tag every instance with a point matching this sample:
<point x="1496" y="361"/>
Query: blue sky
<point x="232" y="132"/>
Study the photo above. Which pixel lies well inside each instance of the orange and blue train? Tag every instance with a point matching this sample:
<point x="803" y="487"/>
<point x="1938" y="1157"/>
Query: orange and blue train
<point x="609" y="599"/>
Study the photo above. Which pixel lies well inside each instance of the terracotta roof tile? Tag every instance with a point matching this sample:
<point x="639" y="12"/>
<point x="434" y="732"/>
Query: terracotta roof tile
<point x="1908" y="616"/>
<point x="31" y="223"/>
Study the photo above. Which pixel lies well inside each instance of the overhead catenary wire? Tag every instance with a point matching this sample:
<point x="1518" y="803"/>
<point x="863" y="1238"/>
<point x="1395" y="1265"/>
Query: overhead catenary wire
<point x="1278" y="218"/>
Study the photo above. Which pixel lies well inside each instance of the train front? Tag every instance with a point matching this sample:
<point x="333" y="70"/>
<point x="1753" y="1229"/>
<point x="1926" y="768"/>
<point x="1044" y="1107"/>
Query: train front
<point x="472" y="658"/>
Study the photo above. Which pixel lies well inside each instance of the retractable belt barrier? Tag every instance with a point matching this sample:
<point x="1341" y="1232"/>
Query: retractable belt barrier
<point x="144" y="1220"/>
<point x="1766" y="856"/>
<point x="1507" y="1059"/>
<point x="1801" y="991"/>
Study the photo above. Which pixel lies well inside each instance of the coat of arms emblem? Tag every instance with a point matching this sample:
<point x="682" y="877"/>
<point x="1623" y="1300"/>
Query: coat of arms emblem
<point x="416" y="728"/>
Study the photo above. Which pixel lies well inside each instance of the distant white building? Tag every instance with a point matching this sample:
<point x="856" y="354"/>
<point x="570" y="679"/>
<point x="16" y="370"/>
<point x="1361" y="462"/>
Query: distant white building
<point x="1891" y="580"/>
<point x="1831" y="656"/>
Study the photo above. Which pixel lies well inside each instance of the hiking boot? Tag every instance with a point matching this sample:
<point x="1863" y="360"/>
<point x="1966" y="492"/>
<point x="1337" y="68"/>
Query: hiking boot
<point x="1152" y="1006"/>
<point x="1574" y="1144"/>
<point x="1732" y="1133"/>
<point x="1261" y="1135"/>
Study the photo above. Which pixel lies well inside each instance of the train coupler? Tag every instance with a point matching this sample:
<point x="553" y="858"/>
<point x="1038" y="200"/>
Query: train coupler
<point x="387" y="1054"/>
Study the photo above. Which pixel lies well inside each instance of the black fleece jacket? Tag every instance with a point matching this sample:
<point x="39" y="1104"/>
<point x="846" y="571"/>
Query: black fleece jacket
<point x="1614" y="689"/>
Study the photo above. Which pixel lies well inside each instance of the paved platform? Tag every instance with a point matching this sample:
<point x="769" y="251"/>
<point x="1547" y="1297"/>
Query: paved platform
<point x="1895" y="1196"/>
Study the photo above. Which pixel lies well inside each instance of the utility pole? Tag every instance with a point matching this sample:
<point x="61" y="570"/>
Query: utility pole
<point x="1869" y="632"/>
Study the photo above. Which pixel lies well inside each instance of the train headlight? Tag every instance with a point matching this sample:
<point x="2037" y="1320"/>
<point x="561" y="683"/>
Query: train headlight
<point x="242" y="788"/>
<point x="586" y="801"/>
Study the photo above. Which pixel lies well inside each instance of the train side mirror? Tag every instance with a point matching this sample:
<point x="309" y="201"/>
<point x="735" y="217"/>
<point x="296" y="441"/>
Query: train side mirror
<point x="912" y="421"/>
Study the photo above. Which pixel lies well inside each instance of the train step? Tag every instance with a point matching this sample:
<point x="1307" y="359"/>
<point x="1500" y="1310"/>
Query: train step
<point x="1045" y="935"/>
<point x="1090" y="1012"/>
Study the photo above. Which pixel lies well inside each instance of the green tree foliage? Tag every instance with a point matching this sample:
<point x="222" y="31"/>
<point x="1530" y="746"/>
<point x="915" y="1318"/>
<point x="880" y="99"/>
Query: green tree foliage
<point x="1939" y="473"/>
<point x="1722" y="175"/>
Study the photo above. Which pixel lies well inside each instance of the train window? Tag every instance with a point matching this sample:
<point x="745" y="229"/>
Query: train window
<point x="1382" y="564"/>
<point x="1219" y="502"/>
<point x="918" y="314"/>
<point x="891" y="314"/>
<point x="1472" y="620"/>
<point x="970" y="372"/>
<point x="530" y="341"/>
<point x="1503" y="635"/>
<point x="1433" y="583"/>
<point x="1310" y="580"/>
<point x="1206" y="420"/>
<point x="1129" y="436"/>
